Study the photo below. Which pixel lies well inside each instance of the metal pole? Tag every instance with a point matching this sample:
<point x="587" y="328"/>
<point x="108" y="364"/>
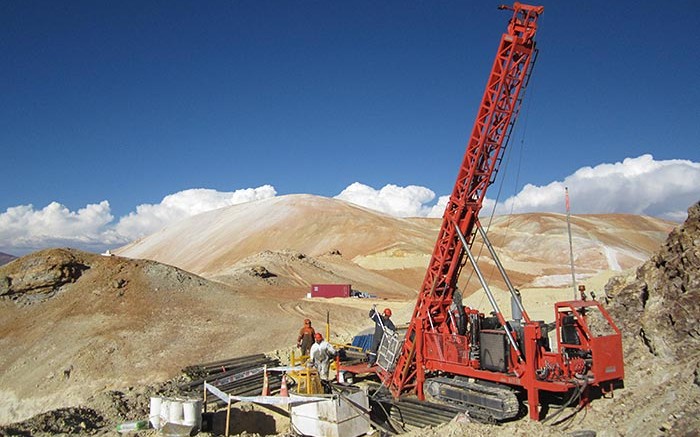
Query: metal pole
<point x="486" y="288"/>
<point x="571" y="245"/>
<point x="378" y="317"/>
<point x="509" y="284"/>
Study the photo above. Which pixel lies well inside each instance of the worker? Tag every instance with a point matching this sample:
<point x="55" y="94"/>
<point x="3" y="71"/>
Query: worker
<point x="382" y="322"/>
<point x="321" y="354"/>
<point x="306" y="337"/>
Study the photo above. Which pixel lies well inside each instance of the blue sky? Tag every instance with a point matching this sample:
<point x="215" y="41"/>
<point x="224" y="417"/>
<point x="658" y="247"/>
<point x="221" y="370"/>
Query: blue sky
<point x="112" y="111"/>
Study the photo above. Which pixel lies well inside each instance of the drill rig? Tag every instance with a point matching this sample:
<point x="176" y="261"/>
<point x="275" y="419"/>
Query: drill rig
<point x="460" y="355"/>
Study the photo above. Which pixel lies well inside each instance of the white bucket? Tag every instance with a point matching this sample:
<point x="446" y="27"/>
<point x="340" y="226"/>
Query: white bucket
<point x="154" y="413"/>
<point x="164" y="412"/>
<point x="192" y="411"/>
<point x="176" y="413"/>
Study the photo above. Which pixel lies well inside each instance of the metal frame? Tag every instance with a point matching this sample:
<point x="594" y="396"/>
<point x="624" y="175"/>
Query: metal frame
<point x="432" y="344"/>
<point x="495" y="118"/>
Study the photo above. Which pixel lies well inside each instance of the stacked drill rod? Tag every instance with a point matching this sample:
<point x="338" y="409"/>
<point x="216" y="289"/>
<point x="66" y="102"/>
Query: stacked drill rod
<point x="241" y="376"/>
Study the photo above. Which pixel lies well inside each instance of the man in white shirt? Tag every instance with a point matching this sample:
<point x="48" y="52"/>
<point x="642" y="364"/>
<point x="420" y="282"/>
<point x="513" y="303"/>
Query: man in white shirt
<point x="321" y="355"/>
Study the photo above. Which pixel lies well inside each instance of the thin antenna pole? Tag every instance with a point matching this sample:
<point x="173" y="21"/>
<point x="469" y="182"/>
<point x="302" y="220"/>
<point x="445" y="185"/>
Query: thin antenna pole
<point x="571" y="245"/>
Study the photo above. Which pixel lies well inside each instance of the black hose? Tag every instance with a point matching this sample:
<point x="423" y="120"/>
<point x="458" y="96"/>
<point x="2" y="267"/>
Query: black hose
<point x="575" y="394"/>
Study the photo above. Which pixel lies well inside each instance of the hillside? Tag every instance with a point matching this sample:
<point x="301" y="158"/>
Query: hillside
<point x="78" y="328"/>
<point x="210" y="243"/>
<point x="658" y="310"/>
<point x="225" y="243"/>
<point x="74" y="324"/>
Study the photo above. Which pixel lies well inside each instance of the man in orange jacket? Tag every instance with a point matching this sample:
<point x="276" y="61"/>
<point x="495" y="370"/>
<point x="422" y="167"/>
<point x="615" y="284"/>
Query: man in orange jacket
<point x="306" y="337"/>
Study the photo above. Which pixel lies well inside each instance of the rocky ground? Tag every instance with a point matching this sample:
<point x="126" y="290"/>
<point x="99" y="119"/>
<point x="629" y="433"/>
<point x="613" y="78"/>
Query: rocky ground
<point x="86" y="340"/>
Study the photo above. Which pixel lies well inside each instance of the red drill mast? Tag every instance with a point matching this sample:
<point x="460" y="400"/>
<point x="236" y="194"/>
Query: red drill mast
<point x="494" y="121"/>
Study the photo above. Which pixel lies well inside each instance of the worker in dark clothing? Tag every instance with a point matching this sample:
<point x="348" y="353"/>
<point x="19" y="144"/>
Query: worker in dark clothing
<point x="306" y="337"/>
<point x="382" y="322"/>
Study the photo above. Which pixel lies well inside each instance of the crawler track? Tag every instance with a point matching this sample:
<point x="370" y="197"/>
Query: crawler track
<point x="489" y="402"/>
<point x="420" y="414"/>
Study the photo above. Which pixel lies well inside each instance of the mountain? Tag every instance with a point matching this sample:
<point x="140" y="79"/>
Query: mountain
<point x="331" y="238"/>
<point x="6" y="258"/>
<point x="382" y="254"/>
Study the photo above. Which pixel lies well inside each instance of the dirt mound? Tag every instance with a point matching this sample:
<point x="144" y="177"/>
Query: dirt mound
<point x="99" y="415"/>
<point x="73" y="420"/>
<point x="74" y="324"/>
<point x="290" y="273"/>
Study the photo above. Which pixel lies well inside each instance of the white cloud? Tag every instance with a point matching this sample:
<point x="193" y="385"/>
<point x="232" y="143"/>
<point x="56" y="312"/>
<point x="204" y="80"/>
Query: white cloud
<point x="438" y="209"/>
<point x="24" y="229"/>
<point x="391" y="199"/>
<point x="639" y="185"/>
<point x="149" y="218"/>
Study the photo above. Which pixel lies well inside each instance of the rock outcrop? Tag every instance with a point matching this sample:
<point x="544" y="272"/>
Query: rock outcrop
<point x="41" y="275"/>
<point x="658" y="311"/>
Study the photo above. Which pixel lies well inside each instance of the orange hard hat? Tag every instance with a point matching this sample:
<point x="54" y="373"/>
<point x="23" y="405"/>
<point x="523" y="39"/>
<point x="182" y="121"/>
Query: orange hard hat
<point x="318" y="336"/>
<point x="387" y="312"/>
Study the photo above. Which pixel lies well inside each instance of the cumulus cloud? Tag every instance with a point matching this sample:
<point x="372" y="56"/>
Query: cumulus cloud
<point x="641" y="185"/>
<point x="391" y="199"/>
<point x="149" y="218"/>
<point x="24" y="228"/>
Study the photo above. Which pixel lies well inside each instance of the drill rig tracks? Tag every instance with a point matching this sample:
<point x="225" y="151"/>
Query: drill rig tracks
<point x="420" y="414"/>
<point x="487" y="401"/>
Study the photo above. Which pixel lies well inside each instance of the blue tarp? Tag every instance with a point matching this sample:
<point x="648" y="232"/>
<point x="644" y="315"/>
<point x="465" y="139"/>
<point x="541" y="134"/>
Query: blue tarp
<point x="364" y="339"/>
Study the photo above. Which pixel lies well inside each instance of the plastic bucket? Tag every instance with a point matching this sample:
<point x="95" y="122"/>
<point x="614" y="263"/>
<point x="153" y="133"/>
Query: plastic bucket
<point x="154" y="412"/>
<point x="192" y="413"/>
<point x="164" y="412"/>
<point x="176" y="412"/>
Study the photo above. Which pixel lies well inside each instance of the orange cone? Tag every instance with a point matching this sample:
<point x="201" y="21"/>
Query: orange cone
<point x="283" y="388"/>
<point x="266" y="383"/>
